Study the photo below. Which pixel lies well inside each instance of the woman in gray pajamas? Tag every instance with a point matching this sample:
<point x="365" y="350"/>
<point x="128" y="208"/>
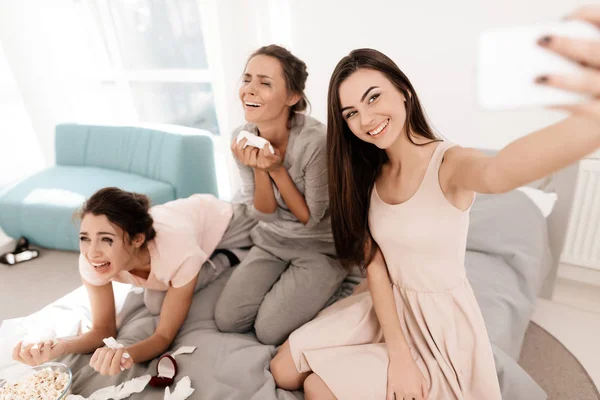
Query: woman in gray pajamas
<point x="291" y="271"/>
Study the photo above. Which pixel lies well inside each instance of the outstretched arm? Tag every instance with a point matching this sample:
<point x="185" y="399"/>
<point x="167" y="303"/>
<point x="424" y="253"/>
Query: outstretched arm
<point x="104" y="325"/>
<point x="525" y="160"/>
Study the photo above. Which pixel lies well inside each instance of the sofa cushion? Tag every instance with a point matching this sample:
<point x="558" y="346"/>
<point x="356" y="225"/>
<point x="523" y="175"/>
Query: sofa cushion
<point x="179" y="155"/>
<point x="42" y="206"/>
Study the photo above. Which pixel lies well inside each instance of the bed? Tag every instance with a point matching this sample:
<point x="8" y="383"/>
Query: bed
<point x="513" y="249"/>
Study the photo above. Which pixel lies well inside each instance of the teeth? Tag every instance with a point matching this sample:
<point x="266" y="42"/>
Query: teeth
<point x="379" y="128"/>
<point x="100" y="265"/>
<point x="253" y="104"/>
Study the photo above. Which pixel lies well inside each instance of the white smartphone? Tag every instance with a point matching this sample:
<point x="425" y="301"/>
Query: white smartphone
<point x="509" y="60"/>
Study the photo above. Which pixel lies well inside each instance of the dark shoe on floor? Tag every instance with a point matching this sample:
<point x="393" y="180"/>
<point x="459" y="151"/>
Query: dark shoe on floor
<point x="22" y="245"/>
<point x="15" y="258"/>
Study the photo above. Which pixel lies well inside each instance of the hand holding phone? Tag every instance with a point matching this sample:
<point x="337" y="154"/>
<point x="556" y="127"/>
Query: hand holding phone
<point x="510" y="60"/>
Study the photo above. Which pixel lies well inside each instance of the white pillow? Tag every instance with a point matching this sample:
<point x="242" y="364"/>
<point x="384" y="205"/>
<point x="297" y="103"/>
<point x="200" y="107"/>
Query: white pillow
<point x="545" y="201"/>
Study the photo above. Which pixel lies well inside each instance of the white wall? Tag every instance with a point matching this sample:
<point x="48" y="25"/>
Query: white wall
<point x="434" y="43"/>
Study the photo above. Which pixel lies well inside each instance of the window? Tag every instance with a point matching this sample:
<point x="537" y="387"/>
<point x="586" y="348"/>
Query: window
<point x="20" y="153"/>
<point x="150" y="58"/>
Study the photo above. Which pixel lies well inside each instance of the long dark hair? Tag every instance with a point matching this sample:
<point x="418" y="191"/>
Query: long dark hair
<point x="354" y="165"/>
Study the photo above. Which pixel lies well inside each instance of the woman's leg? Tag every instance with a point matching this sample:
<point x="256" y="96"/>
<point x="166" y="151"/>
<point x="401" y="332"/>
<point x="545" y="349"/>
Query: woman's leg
<point x="316" y="389"/>
<point x="243" y="294"/>
<point x="298" y="296"/>
<point x="284" y="370"/>
<point x="238" y="231"/>
<point x="211" y="270"/>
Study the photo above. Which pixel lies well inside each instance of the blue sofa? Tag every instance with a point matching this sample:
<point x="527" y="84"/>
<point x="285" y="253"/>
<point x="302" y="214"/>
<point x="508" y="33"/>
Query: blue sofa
<point x="164" y="162"/>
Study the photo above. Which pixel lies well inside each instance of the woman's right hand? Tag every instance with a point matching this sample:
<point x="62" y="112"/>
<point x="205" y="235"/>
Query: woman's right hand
<point x="405" y="380"/>
<point x="36" y="354"/>
<point x="247" y="156"/>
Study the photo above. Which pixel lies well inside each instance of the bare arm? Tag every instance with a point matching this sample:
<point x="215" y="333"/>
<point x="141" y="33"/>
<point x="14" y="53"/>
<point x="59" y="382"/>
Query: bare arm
<point x="525" y="160"/>
<point x="104" y="323"/>
<point x="405" y="379"/>
<point x="291" y="195"/>
<point x="385" y="307"/>
<point x="172" y="316"/>
<point x="264" y="196"/>
<point x="257" y="188"/>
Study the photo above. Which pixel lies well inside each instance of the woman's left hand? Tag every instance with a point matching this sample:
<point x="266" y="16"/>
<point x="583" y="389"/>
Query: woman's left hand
<point x="109" y="361"/>
<point x="268" y="161"/>
<point x="585" y="52"/>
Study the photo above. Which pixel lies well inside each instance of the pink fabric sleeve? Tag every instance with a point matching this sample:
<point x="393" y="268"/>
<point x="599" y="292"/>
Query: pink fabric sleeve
<point x="88" y="273"/>
<point x="188" y="270"/>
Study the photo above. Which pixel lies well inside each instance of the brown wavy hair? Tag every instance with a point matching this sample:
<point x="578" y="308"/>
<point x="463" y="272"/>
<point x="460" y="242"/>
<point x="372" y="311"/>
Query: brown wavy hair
<point x="295" y="74"/>
<point x="128" y="210"/>
<point x="354" y="164"/>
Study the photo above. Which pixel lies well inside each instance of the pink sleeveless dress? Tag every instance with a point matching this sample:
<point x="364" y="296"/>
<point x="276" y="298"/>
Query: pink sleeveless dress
<point x="423" y="241"/>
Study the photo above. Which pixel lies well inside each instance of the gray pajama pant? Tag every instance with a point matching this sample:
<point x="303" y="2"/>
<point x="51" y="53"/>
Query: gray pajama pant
<point x="280" y="285"/>
<point x="236" y="236"/>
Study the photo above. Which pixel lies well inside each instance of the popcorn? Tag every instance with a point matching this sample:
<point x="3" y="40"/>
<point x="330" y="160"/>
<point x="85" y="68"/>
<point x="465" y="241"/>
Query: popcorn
<point x="46" y="384"/>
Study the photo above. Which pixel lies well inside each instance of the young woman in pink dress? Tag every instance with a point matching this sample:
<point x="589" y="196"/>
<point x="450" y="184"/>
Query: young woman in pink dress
<point x="400" y="200"/>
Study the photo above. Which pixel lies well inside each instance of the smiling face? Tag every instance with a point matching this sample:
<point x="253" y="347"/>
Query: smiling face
<point x="373" y="107"/>
<point x="263" y="92"/>
<point x="105" y="246"/>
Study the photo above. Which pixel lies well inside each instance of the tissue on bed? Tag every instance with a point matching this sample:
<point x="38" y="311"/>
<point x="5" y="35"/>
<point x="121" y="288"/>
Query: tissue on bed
<point x="122" y="391"/>
<point x="183" y="350"/>
<point x="182" y="391"/>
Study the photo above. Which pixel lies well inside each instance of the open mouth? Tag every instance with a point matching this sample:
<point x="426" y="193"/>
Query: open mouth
<point x="377" y="131"/>
<point x="101" y="267"/>
<point x="253" y="105"/>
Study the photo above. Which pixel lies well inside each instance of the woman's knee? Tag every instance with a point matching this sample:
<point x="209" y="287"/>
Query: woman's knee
<point x="316" y="389"/>
<point x="284" y="370"/>
<point x="268" y="332"/>
<point x="227" y="316"/>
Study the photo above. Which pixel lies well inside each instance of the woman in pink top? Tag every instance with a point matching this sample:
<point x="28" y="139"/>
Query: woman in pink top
<point x="165" y="250"/>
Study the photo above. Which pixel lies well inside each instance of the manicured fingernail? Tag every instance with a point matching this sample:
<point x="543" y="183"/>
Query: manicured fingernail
<point x="126" y="355"/>
<point x="122" y="369"/>
<point x="541" y="79"/>
<point x="545" y="40"/>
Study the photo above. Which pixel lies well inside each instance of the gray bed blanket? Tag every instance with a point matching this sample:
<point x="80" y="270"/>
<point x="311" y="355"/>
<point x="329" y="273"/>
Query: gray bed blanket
<point x="506" y="258"/>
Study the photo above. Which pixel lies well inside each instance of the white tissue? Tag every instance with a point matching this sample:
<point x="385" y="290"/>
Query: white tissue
<point x="183" y="350"/>
<point x="254" y="140"/>
<point x="112" y="343"/>
<point x="122" y="391"/>
<point x="182" y="391"/>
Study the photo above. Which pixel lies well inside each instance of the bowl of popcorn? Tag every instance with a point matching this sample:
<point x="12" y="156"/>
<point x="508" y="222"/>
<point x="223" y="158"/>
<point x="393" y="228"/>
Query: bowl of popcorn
<point x="49" y="381"/>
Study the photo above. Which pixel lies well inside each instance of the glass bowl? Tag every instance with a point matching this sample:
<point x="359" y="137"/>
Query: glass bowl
<point x="53" y="366"/>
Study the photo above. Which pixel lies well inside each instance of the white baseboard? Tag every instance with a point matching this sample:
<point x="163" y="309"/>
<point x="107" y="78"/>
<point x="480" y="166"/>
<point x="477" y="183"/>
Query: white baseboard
<point x="575" y="273"/>
<point x="578" y="295"/>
